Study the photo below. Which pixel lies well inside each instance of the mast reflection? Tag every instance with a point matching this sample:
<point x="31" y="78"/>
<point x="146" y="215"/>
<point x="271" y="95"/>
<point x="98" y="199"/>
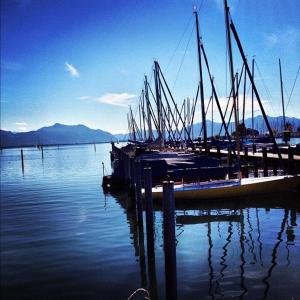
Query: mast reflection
<point x="238" y="246"/>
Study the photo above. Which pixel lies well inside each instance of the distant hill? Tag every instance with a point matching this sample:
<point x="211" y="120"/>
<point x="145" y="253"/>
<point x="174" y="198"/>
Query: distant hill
<point x="121" y="136"/>
<point x="259" y="124"/>
<point x="59" y="134"/>
<point x="55" y="135"/>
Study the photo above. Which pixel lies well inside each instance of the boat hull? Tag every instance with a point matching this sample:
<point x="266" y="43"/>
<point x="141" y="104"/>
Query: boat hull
<point x="248" y="187"/>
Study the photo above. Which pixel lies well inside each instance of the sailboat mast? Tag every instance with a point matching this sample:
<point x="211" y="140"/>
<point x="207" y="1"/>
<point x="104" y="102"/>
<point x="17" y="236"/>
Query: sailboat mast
<point x="160" y="117"/>
<point x="244" y="98"/>
<point x="143" y="113"/>
<point x="132" y="124"/>
<point x="282" y="98"/>
<point x="150" y="133"/>
<point x="226" y="8"/>
<point x="201" y="84"/>
<point x="212" y="113"/>
<point x="252" y="100"/>
<point x="255" y="90"/>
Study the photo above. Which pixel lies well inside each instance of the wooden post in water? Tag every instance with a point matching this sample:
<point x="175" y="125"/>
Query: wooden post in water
<point x="126" y="168"/>
<point x="246" y="153"/>
<point x="228" y="156"/>
<point x="169" y="240"/>
<point x="274" y="167"/>
<point x="290" y="160"/>
<point x="131" y="184"/>
<point x="138" y="193"/>
<point x="22" y="160"/>
<point x="246" y="170"/>
<point x="42" y="151"/>
<point x="255" y="169"/>
<point x="265" y="161"/>
<point x="131" y="173"/>
<point x="95" y="147"/>
<point x="218" y="152"/>
<point x="149" y="212"/>
<point x="103" y="169"/>
<point x="273" y="150"/>
<point x="254" y="148"/>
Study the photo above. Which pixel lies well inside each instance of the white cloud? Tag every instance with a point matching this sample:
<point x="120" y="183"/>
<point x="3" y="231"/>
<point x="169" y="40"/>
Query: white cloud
<point x="21" y="126"/>
<point x="21" y="123"/>
<point x="22" y="129"/>
<point x="71" y="70"/>
<point x="287" y="37"/>
<point x="84" y="98"/>
<point x="121" y="99"/>
<point x="272" y="39"/>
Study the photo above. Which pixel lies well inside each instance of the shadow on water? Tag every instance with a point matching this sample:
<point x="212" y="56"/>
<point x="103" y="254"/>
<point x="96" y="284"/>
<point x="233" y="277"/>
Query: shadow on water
<point x="249" y="242"/>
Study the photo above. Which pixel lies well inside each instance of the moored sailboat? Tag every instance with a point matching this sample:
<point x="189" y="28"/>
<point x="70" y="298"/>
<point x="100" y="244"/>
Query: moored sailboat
<point x="240" y="187"/>
<point x="228" y="189"/>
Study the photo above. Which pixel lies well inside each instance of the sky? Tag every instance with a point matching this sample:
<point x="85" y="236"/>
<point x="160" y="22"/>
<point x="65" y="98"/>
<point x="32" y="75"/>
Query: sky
<point x="83" y="61"/>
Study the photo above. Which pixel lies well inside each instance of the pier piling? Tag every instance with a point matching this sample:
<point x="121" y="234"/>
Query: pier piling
<point x="228" y="156"/>
<point x="218" y="152"/>
<point x="169" y="240"/>
<point x="131" y="172"/>
<point x="126" y="168"/>
<point x="265" y="161"/>
<point x="246" y="153"/>
<point x="290" y="160"/>
<point x="138" y="193"/>
<point x="255" y="169"/>
<point x="274" y="167"/>
<point x="149" y="212"/>
<point x="22" y="160"/>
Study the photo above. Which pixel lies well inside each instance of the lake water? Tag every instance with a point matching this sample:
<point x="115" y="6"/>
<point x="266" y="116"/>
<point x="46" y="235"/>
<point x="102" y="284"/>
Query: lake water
<point x="63" y="238"/>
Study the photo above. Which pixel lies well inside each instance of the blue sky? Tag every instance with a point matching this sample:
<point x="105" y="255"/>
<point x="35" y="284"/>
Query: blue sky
<point x="83" y="62"/>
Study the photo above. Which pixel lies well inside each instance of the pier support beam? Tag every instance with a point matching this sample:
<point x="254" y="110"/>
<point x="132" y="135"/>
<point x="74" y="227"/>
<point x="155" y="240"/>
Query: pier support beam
<point x="138" y="193"/>
<point x="291" y="169"/>
<point x="22" y="160"/>
<point x="255" y="169"/>
<point x="274" y="167"/>
<point x="169" y="240"/>
<point x="218" y="152"/>
<point x="149" y="212"/>
<point x="265" y="161"/>
<point x="126" y="163"/>
<point x="246" y="153"/>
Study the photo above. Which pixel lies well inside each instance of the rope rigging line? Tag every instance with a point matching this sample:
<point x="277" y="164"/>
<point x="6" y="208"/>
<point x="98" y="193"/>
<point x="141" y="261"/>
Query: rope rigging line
<point x="293" y="88"/>
<point x="181" y="63"/>
<point x="265" y="87"/>
<point x="178" y="44"/>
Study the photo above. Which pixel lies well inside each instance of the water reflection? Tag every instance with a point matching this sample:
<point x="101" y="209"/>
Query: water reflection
<point x="243" y="249"/>
<point x="148" y="279"/>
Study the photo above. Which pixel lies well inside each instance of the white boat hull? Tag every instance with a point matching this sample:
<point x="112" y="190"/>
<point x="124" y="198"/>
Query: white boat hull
<point x="232" y="188"/>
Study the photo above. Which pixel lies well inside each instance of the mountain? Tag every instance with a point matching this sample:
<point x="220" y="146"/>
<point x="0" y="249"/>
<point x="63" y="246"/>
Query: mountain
<point x="54" y="135"/>
<point x="259" y="124"/>
<point x="59" y="134"/>
<point x="121" y="136"/>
